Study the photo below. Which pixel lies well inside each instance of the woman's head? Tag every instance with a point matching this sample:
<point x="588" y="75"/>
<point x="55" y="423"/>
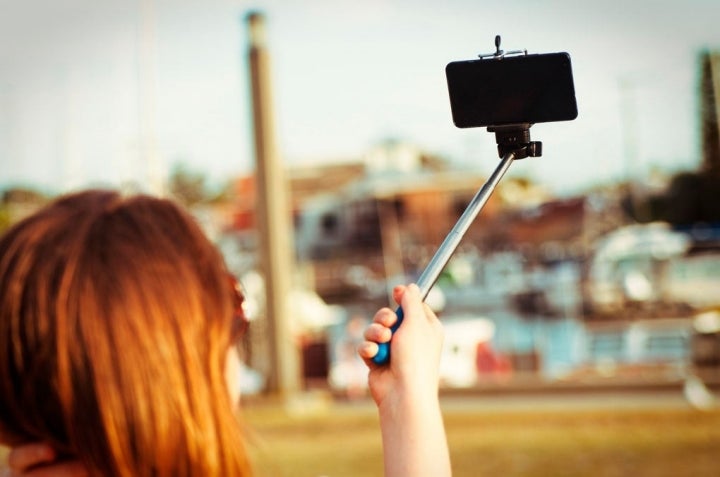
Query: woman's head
<point x="115" y="323"/>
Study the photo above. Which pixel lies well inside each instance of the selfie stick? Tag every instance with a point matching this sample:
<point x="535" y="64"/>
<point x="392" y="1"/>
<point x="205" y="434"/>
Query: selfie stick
<point x="513" y="143"/>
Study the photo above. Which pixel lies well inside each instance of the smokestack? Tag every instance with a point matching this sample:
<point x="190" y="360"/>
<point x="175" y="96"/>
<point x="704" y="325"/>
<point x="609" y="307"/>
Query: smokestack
<point x="274" y="221"/>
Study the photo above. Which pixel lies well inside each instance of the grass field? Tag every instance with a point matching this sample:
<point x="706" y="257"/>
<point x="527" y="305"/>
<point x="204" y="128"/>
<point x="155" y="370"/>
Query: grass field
<point x="344" y="441"/>
<point x="604" y="442"/>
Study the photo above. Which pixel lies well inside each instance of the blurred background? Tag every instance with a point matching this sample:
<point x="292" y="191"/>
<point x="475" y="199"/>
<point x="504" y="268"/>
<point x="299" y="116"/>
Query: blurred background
<point x="594" y="269"/>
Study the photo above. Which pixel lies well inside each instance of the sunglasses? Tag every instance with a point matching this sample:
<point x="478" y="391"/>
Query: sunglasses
<point x="240" y="321"/>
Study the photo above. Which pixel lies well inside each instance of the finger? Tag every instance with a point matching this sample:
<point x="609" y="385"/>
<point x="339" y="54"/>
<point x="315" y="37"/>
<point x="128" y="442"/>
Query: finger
<point x="367" y="350"/>
<point x="385" y="317"/>
<point x="24" y="457"/>
<point x="377" y="333"/>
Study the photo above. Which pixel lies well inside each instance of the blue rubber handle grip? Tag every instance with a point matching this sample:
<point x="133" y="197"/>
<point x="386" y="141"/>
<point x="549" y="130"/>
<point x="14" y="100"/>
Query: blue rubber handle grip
<point x="383" y="354"/>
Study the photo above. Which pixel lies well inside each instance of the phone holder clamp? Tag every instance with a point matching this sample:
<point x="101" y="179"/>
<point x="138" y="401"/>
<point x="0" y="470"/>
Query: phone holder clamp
<point x="500" y="54"/>
<point x="515" y="138"/>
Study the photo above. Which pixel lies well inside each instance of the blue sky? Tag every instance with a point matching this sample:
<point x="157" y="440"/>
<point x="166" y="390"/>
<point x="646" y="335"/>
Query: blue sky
<point x="82" y="92"/>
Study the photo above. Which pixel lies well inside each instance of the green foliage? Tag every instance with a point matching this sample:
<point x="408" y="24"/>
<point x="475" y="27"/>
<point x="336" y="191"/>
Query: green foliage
<point x="187" y="186"/>
<point x="691" y="197"/>
<point x="15" y="202"/>
<point x="190" y="187"/>
<point x="4" y="218"/>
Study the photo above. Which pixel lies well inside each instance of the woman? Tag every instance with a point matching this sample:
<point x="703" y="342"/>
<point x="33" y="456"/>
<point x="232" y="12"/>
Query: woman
<point x="115" y="321"/>
<point x="117" y="332"/>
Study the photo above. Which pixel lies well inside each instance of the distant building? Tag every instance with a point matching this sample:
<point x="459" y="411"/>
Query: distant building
<point x="361" y="226"/>
<point x="361" y="221"/>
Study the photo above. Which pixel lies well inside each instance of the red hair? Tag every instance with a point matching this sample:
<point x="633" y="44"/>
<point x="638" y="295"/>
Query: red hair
<point x="115" y="323"/>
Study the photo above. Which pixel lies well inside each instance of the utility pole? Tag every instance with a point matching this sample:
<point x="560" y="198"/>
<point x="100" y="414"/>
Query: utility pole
<point x="390" y="243"/>
<point x="150" y="162"/>
<point x="273" y="219"/>
<point x="710" y="111"/>
<point x="628" y="105"/>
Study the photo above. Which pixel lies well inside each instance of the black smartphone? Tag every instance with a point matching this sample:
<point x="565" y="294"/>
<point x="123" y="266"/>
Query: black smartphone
<point x="511" y="90"/>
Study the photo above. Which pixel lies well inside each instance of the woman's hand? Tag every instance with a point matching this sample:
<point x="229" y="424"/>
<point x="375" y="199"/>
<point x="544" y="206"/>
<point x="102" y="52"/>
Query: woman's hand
<point x="413" y="370"/>
<point x="406" y="389"/>
<point x="38" y="459"/>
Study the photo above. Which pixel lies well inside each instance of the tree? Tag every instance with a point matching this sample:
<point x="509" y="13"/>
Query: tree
<point x="188" y="186"/>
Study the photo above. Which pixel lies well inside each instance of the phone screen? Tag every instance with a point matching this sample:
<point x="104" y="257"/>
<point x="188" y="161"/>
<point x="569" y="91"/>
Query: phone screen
<point x="516" y="89"/>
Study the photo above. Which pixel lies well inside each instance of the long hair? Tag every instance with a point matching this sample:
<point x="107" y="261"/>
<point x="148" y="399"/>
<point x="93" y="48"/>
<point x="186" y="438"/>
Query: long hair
<point x="115" y="323"/>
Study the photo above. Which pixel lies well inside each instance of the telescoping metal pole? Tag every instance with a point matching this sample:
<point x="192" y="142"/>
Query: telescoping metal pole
<point x="433" y="269"/>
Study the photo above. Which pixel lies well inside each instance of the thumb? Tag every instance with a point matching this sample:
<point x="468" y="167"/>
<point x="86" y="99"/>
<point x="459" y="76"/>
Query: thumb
<point x="411" y="301"/>
<point x="398" y="292"/>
